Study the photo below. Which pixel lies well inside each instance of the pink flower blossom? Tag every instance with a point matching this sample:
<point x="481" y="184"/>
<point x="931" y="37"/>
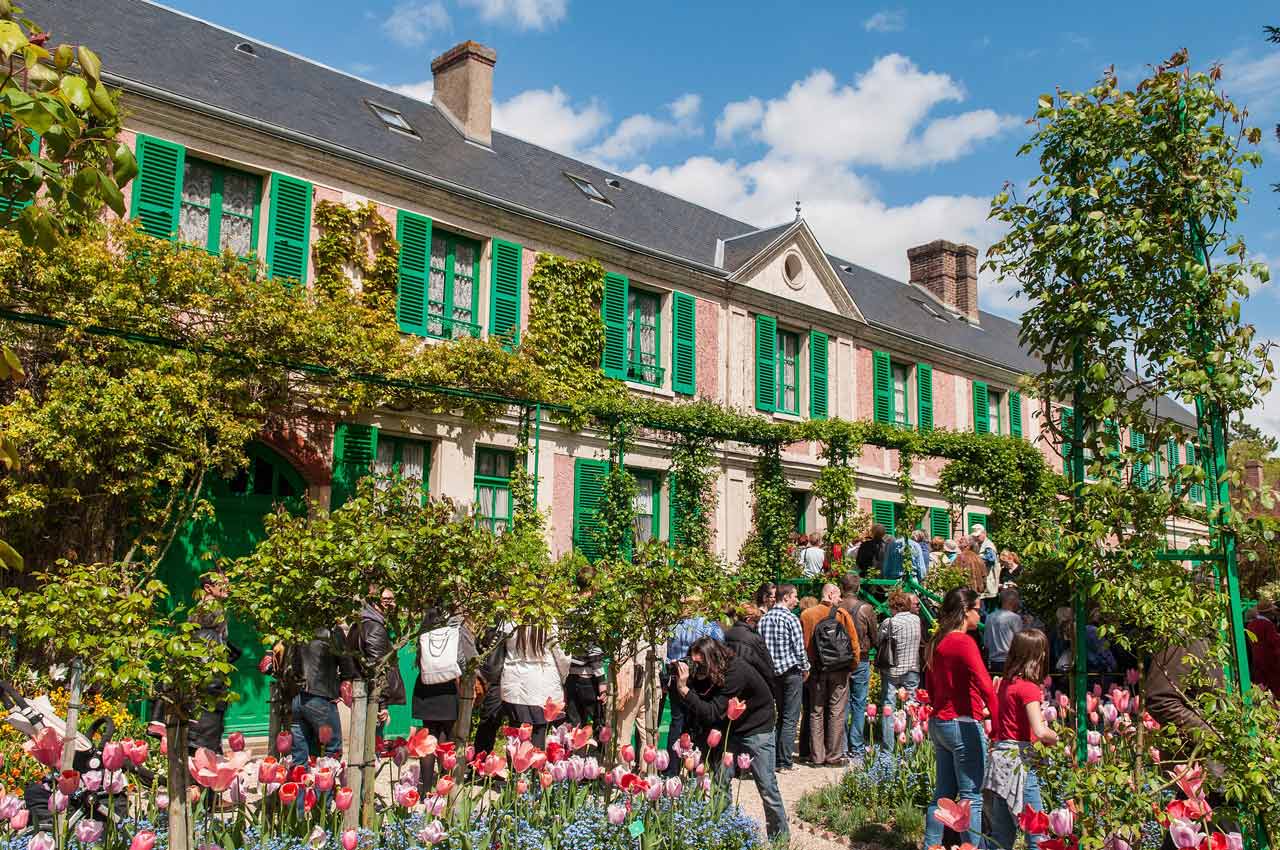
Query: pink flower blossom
<point x="113" y="757"/>
<point x="713" y="738"/>
<point x="144" y="840"/>
<point x="41" y="841"/>
<point x="744" y="761"/>
<point x="1184" y="834"/>
<point x="1061" y="822"/>
<point x="90" y="831"/>
<point x="617" y="814"/>
<point x="350" y="839"/>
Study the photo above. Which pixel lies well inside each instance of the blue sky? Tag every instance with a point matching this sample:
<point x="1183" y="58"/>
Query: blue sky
<point x="893" y="124"/>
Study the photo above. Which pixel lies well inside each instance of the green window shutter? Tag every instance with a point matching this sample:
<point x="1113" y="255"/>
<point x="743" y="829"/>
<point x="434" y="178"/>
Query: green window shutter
<point x="10" y="209"/>
<point x="1066" y="422"/>
<point x="819" y="381"/>
<point x="354" y="449"/>
<point x="684" y="343"/>
<point x="289" y="231"/>
<point x="588" y="491"/>
<point x="1171" y="460"/>
<point x="504" y="310"/>
<point x="979" y="519"/>
<point x="1015" y="413"/>
<point x="413" y="232"/>
<point x="939" y="523"/>
<point x="1138" y="443"/>
<point x="614" y="312"/>
<point x="924" y="396"/>
<point x="766" y="363"/>
<point x="1197" y="490"/>
<point x="157" y="190"/>
<point x="882" y="377"/>
<point x="883" y="512"/>
<point x="981" y="410"/>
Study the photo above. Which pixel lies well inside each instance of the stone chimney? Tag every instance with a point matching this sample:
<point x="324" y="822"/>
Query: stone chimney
<point x="464" y="89"/>
<point x="1253" y="475"/>
<point x="949" y="272"/>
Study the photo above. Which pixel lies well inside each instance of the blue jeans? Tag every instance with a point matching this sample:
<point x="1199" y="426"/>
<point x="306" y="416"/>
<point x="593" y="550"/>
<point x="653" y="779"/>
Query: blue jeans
<point x="790" y="689"/>
<point x="859" y="684"/>
<point x="889" y="699"/>
<point x="675" y="728"/>
<point x="310" y="712"/>
<point x="760" y="747"/>
<point x="1004" y="823"/>
<point x="960" y="753"/>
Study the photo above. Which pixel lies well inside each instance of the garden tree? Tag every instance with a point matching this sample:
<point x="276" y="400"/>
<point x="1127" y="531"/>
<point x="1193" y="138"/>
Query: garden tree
<point x="1123" y="249"/>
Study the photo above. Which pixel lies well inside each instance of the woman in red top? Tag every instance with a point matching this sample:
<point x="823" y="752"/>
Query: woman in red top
<point x="1011" y="783"/>
<point x="959" y="686"/>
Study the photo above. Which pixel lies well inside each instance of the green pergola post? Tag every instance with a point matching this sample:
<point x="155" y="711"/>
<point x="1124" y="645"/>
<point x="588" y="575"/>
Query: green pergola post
<point x="1079" y="644"/>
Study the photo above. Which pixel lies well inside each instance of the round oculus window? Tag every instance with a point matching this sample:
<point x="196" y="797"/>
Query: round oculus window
<point x="791" y="269"/>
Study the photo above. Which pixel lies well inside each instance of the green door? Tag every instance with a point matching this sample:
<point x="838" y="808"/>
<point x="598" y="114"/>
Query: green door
<point x="234" y="530"/>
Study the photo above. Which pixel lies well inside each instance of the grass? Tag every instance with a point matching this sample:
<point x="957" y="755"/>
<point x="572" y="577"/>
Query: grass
<point x="840" y="807"/>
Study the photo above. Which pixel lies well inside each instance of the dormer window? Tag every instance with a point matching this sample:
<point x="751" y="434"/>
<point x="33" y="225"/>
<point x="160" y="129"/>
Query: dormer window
<point x="393" y="118"/>
<point x="588" y="188"/>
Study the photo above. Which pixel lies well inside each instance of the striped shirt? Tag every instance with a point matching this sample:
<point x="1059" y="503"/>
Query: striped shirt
<point x="782" y="634"/>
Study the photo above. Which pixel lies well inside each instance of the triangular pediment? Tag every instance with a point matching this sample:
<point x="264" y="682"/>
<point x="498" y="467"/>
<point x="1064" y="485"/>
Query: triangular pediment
<point x="787" y="261"/>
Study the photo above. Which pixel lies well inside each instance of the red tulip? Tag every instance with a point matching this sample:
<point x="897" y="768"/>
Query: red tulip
<point x="309" y="799"/>
<point x="325" y="734"/>
<point x="342" y="798"/>
<point x="266" y="664"/>
<point x="422" y="743"/>
<point x="289" y="792"/>
<point x="552" y="709"/>
<point x="736" y="708"/>
<point x="954" y="816"/>
<point x="555" y="751"/>
<point x="68" y="781"/>
<point x="1033" y="822"/>
<point x="236" y="741"/>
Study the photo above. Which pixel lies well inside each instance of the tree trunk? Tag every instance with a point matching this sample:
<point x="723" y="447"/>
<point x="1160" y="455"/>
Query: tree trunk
<point x="651" y="718"/>
<point x="367" y="733"/>
<point x="175" y="733"/>
<point x="356" y="754"/>
<point x="73" y="717"/>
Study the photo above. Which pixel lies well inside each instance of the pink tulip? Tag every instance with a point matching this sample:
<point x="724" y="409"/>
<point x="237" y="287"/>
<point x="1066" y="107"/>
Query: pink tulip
<point x="236" y="741"/>
<point x="284" y="743"/>
<point x="606" y="735"/>
<point x="144" y="840"/>
<point x="522" y="786"/>
<point x="650" y="754"/>
<point x="1235" y="841"/>
<point x="113" y="757"/>
<point x="713" y="738"/>
<point x="662" y="761"/>
<point x="20" y="820"/>
<point x="744" y="761"/>
<point x="1184" y="834"/>
<point x="433" y="833"/>
<point x="674" y="787"/>
<point x="627" y="753"/>
<point x="617" y="814"/>
<point x="214" y="773"/>
<point x="1093" y="755"/>
<point x="1061" y="822"/>
<point x="899" y="722"/>
<point x="1115" y="842"/>
<point x="917" y="736"/>
<point x="552" y="709"/>
<point x="342" y="798"/>
<point x="324" y="779"/>
<point x="653" y="791"/>
<point x="872" y="711"/>
<point x="726" y="760"/>
<point x="735" y="709"/>
<point x="135" y="751"/>
<point x="45" y="747"/>
<point x="1050" y="714"/>
<point x="41" y="841"/>
<point x="10" y="805"/>
<point x="162" y="801"/>
<point x="422" y="743"/>
<point x="350" y="839"/>
<point x="90" y="831"/>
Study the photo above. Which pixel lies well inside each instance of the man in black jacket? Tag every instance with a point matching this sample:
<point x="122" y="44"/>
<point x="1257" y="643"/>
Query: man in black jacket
<point x="316" y="728"/>
<point x="721" y="683"/>
<point x="371" y="643"/>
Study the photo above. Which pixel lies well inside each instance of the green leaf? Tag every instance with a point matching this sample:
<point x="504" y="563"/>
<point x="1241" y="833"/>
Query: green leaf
<point x="11" y="38"/>
<point x="14" y="364"/>
<point x="111" y="194"/>
<point x="10" y="558"/>
<point x="76" y="90"/>
<point x="124" y="166"/>
<point x="102" y="101"/>
<point x="89" y="62"/>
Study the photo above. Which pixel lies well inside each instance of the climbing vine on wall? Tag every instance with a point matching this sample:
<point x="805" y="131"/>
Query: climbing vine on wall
<point x="359" y="238"/>
<point x="695" y="466"/>
<point x="764" y="553"/>
<point x="836" y="487"/>
<point x="524" y="504"/>
<point x="616" y="516"/>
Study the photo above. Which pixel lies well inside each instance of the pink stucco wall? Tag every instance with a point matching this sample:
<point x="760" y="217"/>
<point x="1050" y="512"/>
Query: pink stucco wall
<point x="944" y="399"/>
<point x="872" y="457"/>
<point x="708" y="329"/>
<point x="862" y="368"/>
<point x="130" y="138"/>
<point x="562" y="505"/>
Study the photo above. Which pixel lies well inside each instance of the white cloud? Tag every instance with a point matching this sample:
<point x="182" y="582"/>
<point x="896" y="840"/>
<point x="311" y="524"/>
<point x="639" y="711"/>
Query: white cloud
<point x="525" y="14"/>
<point x="1266" y="413"/>
<point x="886" y="20"/>
<point x="412" y="22"/>
<point x="737" y="117"/>
<point x="547" y="118"/>
<point x="637" y="133"/>
<point x="879" y="120"/>
<point x="1253" y="79"/>
<point x="420" y="90"/>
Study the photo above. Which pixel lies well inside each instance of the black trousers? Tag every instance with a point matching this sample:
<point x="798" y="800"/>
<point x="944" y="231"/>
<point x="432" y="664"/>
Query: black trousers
<point x="582" y="701"/>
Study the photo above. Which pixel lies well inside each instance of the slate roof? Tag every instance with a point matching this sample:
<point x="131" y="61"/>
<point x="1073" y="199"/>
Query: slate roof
<point x="145" y="43"/>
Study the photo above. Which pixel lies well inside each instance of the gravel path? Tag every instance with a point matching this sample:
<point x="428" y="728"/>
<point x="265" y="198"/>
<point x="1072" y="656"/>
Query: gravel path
<point x="794" y="784"/>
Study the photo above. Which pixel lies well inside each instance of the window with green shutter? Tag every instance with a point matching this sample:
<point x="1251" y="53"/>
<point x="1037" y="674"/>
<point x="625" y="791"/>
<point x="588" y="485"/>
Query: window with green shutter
<point x="493" y="488"/>
<point x="983" y="520"/>
<point x="882" y="381"/>
<point x="766" y="363"/>
<point x="1171" y="461"/>
<point x="613" y="310"/>
<point x="648" y="505"/>
<point x="289" y="228"/>
<point x="901" y="406"/>
<point x="644" y="337"/>
<point x="219" y="208"/>
<point x="800" y="510"/>
<point x="1197" y="490"/>
<point x="787" y="371"/>
<point x="404" y="457"/>
<point x="588" y="491"/>
<point x="1015" y="413"/>
<point x="413" y="232"/>
<point x="924" y="396"/>
<point x="504" y="293"/>
<point x="819" y="381"/>
<point x="1141" y="472"/>
<point x="451" y="286"/>
<point x="995" y="411"/>
<point x="981" y="409"/>
<point x="883" y="513"/>
<point x="354" y="449"/>
<point x="1066" y="424"/>
<point x="157" y="190"/>
<point x="684" y="343"/>
<point x="939" y="523"/>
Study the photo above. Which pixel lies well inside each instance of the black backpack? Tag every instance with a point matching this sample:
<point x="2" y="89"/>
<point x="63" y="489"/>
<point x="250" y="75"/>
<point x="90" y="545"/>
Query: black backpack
<point x="886" y="646"/>
<point x="832" y="648"/>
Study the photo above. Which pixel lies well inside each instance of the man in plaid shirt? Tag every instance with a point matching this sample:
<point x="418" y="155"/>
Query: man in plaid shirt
<point x="781" y="631"/>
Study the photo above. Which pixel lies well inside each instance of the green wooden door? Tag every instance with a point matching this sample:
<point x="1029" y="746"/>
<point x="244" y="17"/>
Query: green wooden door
<point x="235" y="529"/>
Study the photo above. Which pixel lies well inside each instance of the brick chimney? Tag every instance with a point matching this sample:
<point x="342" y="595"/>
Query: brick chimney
<point x="1253" y="475"/>
<point x="949" y="272"/>
<point x="464" y="89"/>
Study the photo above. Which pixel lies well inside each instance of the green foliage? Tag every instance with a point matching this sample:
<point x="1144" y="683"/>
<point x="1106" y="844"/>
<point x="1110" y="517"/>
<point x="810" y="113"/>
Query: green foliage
<point x="360" y="238"/>
<point x="837" y="487"/>
<point x="945" y="577"/>
<point x="764" y="552"/>
<point x="695" y="468"/>
<point x="55" y="94"/>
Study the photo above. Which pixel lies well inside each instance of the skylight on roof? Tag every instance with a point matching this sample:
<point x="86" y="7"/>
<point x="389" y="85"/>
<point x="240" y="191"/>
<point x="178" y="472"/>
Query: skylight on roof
<point x="246" y="48"/>
<point x="588" y="188"/>
<point x="392" y="118"/>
